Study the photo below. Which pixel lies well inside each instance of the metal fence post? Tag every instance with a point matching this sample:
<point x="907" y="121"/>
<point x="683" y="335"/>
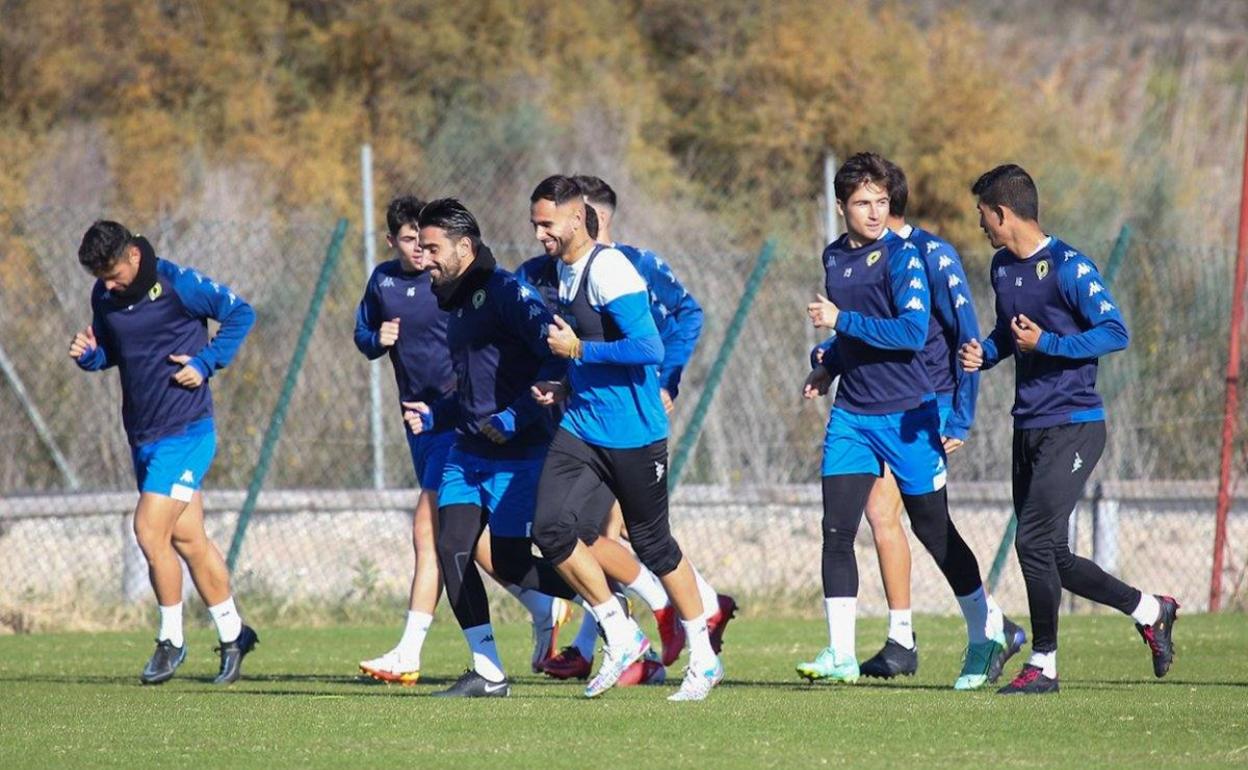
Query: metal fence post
<point x="1105" y="530"/>
<point x="374" y="366"/>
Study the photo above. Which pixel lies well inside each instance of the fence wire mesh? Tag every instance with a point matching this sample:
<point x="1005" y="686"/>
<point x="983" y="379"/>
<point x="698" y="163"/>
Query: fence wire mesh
<point x="748" y="507"/>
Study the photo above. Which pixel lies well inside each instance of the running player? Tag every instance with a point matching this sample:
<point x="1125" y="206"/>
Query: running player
<point x="399" y="316"/>
<point x="496" y="333"/>
<point x="149" y="319"/>
<point x="1056" y="318"/>
<point x="613" y="434"/>
<point x="883" y="416"/>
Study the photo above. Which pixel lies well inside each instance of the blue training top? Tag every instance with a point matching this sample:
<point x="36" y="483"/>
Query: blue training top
<point x="882" y="292"/>
<point x="171" y="319"/>
<point x="1060" y="290"/>
<point x="421" y="359"/>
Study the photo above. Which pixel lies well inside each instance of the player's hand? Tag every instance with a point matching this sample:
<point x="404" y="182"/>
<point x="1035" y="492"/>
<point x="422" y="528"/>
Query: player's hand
<point x="500" y="427"/>
<point x="562" y="340"/>
<point x="418" y="416"/>
<point x="83" y="343"/>
<point x="188" y="376"/>
<point x="388" y="334"/>
<point x="951" y="444"/>
<point x="549" y="392"/>
<point x="971" y="356"/>
<point x="823" y="312"/>
<point x="668" y="404"/>
<point x="817" y="383"/>
<point x="1026" y="333"/>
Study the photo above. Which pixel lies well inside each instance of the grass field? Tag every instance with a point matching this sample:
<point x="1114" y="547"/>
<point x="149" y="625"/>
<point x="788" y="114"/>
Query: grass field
<point x="74" y="699"/>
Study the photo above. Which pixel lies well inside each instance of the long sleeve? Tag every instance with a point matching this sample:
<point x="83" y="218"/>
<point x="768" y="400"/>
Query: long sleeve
<point x="99" y="357"/>
<point x="951" y="302"/>
<point x="824" y="354"/>
<point x="1090" y="301"/>
<point x="368" y="322"/>
<point x="683" y="313"/>
<point x="911" y="298"/>
<point x="205" y="298"/>
<point x="523" y="311"/>
<point x="641" y="344"/>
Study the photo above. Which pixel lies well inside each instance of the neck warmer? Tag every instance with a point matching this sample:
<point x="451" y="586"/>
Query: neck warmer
<point x="145" y="279"/>
<point x="454" y="293"/>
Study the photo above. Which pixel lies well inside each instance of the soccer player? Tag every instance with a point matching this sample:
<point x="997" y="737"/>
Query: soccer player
<point x="149" y="319"/>
<point x="1055" y="316"/>
<point x="496" y="333"/>
<point x="679" y="320"/>
<point x="878" y="304"/>
<point x="613" y="434"/>
<point x="952" y="323"/>
<point x="399" y="316"/>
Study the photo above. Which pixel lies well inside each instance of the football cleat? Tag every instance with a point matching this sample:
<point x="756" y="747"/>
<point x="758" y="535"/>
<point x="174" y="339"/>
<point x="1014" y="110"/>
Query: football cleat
<point x="568" y="664"/>
<point x="671" y="633"/>
<point x="232" y="654"/>
<point x="716" y="623"/>
<point x="648" y="670"/>
<point x="392" y="667"/>
<point x="164" y="661"/>
<point x="1015" y="638"/>
<point x="829" y="667"/>
<point x="615" y="661"/>
<point x="1030" y="681"/>
<point x="472" y="685"/>
<point x="698" y="682"/>
<point x="893" y="659"/>
<point x="1158" y="635"/>
<point x="546" y="633"/>
<point x="977" y="662"/>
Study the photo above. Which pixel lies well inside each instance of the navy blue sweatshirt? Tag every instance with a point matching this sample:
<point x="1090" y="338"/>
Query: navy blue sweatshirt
<point x="497" y="338"/>
<point x="882" y="292"/>
<point x="421" y="359"/>
<point x="1063" y="293"/>
<point x="171" y="319"/>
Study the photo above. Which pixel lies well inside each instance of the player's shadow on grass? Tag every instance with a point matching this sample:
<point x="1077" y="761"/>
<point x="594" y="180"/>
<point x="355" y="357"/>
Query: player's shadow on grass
<point x="1120" y="684"/>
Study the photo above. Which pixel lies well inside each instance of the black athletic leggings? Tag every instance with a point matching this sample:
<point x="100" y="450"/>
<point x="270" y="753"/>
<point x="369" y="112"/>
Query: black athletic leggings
<point x="1051" y="466"/>
<point x="845" y="497"/>
<point x="459" y="528"/>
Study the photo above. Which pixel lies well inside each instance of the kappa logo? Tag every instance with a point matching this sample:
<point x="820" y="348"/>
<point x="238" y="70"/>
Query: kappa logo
<point x="488" y="638"/>
<point x="915" y="283"/>
<point x="525" y="292"/>
<point x="187" y="477"/>
<point x="914" y="264"/>
<point x="1106" y="306"/>
<point x="1083" y="269"/>
<point x="943" y="262"/>
<point x="874" y="257"/>
<point x="1095" y="288"/>
<point x="478" y="298"/>
<point x="411" y="291"/>
<point x="1078" y="463"/>
<point x="154" y="293"/>
<point x="387" y="282"/>
<point x="954" y="280"/>
<point x="1000" y="272"/>
<point x="932" y="246"/>
<point x="1067" y="254"/>
<point x="1042" y="269"/>
<point x="534" y="311"/>
<point x="232" y="297"/>
<point x="960" y="301"/>
<point x="914" y="304"/>
<point x="848" y="272"/>
<point x="1018" y="281"/>
<point x="659" y="470"/>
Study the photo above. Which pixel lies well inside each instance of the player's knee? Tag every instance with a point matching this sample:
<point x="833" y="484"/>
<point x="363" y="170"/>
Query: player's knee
<point x="1065" y="559"/>
<point x="929" y="518"/>
<point x="151" y="537"/>
<point x="656" y="548"/>
<point x="588" y="532"/>
<point x="512" y="557"/>
<point x="555" y="536"/>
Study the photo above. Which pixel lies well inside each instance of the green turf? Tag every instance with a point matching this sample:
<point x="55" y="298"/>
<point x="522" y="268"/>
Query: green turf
<point x="74" y="699"/>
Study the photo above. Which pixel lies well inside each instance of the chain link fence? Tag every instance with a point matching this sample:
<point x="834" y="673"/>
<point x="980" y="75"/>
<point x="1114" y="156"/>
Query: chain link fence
<point x="748" y="507"/>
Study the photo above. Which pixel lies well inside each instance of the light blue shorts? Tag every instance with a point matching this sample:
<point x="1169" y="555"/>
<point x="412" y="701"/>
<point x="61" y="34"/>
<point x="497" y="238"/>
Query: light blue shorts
<point x="505" y="489"/>
<point x="907" y="442"/>
<point x="175" y="466"/>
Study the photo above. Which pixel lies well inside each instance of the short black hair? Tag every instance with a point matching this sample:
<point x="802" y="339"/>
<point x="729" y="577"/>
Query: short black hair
<point x="404" y="210"/>
<point x="862" y="168"/>
<point x="1009" y="185"/>
<point x="898" y="189"/>
<point x="451" y="215"/>
<point x="596" y="191"/>
<point x="557" y="188"/>
<point x="103" y="244"/>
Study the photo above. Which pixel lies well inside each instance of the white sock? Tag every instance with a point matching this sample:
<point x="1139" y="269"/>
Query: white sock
<point x="842" y="614"/>
<point x="996" y="619"/>
<point x="1147" y="611"/>
<point x="171" y="624"/>
<point x="901" y="628"/>
<point x="484" y="652"/>
<point x="1046" y="661"/>
<point x="587" y="638"/>
<point x="229" y="624"/>
<point x="649" y="589"/>
<point x="700" y="653"/>
<point x="616" y="626"/>
<point x="710" y="599"/>
<point x="414" y="633"/>
<point x="975" y="612"/>
<point x="537" y="603"/>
